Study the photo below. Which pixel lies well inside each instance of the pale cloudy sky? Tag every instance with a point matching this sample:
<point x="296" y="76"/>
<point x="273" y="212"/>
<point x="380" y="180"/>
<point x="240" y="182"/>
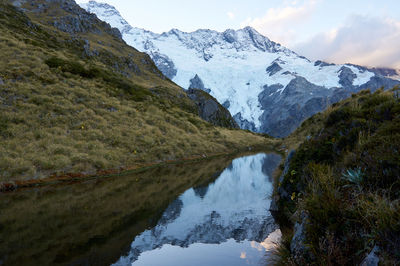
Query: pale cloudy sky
<point x="365" y="32"/>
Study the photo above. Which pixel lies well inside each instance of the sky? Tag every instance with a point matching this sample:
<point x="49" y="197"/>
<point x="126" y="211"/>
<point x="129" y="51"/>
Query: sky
<point x="365" y="32"/>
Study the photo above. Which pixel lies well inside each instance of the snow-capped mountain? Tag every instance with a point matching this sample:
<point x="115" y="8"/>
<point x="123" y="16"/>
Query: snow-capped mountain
<point x="108" y="14"/>
<point x="266" y="87"/>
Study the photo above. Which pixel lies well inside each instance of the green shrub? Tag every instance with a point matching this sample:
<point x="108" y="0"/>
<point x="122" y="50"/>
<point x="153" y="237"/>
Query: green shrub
<point x="335" y="171"/>
<point x="338" y="116"/>
<point x="73" y="67"/>
<point x="382" y="216"/>
<point x="55" y="62"/>
<point x="3" y="126"/>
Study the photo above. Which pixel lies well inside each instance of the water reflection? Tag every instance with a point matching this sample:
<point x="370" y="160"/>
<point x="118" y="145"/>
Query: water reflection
<point x="224" y="223"/>
<point x="228" y="253"/>
<point x="94" y="222"/>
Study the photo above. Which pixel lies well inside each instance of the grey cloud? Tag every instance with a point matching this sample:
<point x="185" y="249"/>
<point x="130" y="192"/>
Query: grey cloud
<point x="362" y="40"/>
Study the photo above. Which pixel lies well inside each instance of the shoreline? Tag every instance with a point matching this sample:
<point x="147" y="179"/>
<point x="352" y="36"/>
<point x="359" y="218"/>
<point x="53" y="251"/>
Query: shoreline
<point x="12" y="186"/>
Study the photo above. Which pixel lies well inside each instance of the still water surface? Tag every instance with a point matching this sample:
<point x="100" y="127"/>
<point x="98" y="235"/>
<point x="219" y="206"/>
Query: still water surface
<point x="223" y="223"/>
<point x="213" y="213"/>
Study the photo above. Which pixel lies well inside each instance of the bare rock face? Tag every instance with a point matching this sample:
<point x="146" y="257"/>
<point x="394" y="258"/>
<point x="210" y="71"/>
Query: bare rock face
<point x="111" y="14"/>
<point x="165" y="65"/>
<point x="273" y="68"/>
<point x="210" y="110"/>
<point x="346" y="77"/>
<point x="300" y="99"/>
<point x="197" y="83"/>
<point x="78" y="20"/>
<point x="322" y="63"/>
<point x="283" y="111"/>
<point x="244" y="123"/>
<point x="372" y="258"/>
<point x="298" y="246"/>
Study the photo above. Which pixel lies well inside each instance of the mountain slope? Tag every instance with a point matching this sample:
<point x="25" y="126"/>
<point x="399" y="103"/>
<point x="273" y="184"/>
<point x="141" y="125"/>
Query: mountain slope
<point x="75" y="98"/>
<point x="339" y="192"/>
<point x="258" y="80"/>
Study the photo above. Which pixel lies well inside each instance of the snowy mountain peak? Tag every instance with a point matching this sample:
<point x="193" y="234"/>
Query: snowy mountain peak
<point x="109" y="14"/>
<point x="241" y="40"/>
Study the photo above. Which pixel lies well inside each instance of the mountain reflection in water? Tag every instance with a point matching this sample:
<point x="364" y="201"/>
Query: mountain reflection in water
<point x="224" y="223"/>
<point x="93" y="222"/>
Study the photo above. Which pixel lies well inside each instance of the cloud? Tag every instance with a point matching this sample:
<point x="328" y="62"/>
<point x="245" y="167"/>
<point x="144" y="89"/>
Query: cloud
<point x="279" y="23"/>
<point x="231" y="15"/>
<point x="364" y="40"/>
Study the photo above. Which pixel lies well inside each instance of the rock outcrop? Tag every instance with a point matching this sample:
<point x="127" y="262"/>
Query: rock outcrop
<point x="210" y="110"/>
<point x="273" y="69"/>
<point x="197" y="83"/>
<point x="298" y="245"/>
<point x="77" y="19"/>
<point x="372" y="258"/>
<point x="165" y="65"/>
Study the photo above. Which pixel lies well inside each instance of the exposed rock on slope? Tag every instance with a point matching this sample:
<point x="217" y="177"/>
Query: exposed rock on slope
<point x="210" y="110"/>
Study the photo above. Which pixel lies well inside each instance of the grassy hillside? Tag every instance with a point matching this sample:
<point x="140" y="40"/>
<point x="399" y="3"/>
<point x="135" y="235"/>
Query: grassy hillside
<point x="75" y="98"/>
<point x="340" y="196"/>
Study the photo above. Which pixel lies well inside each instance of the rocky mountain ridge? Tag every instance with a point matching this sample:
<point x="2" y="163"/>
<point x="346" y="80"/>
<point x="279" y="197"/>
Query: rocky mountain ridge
<point x="258" y="80"/>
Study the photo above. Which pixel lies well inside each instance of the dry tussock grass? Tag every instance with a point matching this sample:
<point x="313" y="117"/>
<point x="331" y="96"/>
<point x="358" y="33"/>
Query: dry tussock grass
<point x="54" y="121"/>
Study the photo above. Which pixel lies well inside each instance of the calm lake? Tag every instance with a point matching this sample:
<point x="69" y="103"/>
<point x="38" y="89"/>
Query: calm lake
<point x="207" y="213"/>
